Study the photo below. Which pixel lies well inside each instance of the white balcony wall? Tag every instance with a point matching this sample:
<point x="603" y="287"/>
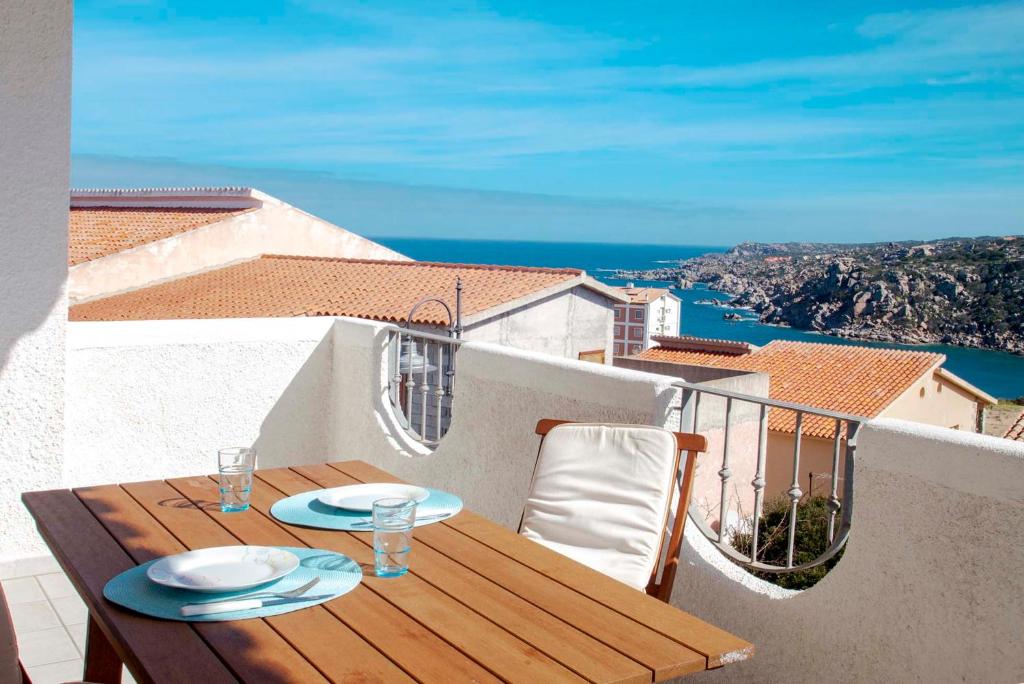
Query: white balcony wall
<point x="929" y="588"/>
<point x="154" y="399"/>
<point x="35" y="95"/>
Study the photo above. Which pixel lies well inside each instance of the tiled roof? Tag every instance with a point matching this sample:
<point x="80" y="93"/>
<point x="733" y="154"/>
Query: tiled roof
<point x="861" y="381"/>
<point x="703" y="344"/>
<point x="1016" y="430"/>
<point x="96" y="232"/>
<point x="272" y="286"/>
<point x="642" y="295"/>
<point x="692" y="357"/>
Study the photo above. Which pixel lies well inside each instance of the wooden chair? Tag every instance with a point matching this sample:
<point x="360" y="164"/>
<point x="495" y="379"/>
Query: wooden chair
<point x="565" y="510"/>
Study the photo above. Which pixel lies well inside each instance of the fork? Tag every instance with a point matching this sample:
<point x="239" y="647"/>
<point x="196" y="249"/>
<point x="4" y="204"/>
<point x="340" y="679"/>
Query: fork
<point x="294" y="593"/>
<point x="435" y="516"/>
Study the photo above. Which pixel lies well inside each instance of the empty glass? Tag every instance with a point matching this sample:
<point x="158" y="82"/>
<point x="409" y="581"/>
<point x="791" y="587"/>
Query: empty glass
<point x="392" y="536"/>
<point x="235" y="466"/>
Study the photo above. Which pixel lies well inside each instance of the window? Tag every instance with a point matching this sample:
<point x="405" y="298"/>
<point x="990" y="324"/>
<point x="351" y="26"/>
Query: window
<point x="636" y="314"/>
<point x="620" y="332"/>
<point x="635" y="348"/>
<point x="620" y="349"/>
<point x="619" y="313"/>
<point x="636" y="332"/>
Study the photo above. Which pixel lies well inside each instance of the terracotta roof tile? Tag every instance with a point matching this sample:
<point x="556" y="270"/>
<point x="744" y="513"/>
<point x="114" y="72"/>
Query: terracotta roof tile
<point x="642" y="295"/>
<point x="96" y="232"/>
<point x="1016" y="431"/>
<point x="273" y="286"/>
<point x="851" y="379"/>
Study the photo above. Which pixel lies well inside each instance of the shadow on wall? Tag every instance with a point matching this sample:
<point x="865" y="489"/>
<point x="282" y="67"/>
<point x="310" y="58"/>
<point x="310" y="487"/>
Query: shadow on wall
<point x="297" y="428"/>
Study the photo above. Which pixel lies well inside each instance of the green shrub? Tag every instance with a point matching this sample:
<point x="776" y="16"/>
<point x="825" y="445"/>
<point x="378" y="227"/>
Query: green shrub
<point x="773" y="540"/>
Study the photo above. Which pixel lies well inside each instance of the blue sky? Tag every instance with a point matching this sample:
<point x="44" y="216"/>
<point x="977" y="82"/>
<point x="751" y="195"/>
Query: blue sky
<point x="674" y="122"/>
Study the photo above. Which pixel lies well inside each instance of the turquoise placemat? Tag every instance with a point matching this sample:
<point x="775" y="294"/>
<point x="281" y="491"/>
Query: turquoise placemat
<point x="304" y="509"/>
<point x="338" y="575"/>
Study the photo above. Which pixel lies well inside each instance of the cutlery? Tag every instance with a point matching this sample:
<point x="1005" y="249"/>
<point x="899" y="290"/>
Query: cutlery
<point x="436" y="516"/>
<point x="293" y="593"/>
<point x="194" y="609"/>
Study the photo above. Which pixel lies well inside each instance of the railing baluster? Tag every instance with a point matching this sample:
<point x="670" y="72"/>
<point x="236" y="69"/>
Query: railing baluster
<point x="833" y="499"/>
<point x="439" y="391"/>
<point x="759" y="482"/>
<point x="410" y="382"/>
<point x="794" y="489"/>
<point x="424" y="390"/>
<point x="725" y="474"/>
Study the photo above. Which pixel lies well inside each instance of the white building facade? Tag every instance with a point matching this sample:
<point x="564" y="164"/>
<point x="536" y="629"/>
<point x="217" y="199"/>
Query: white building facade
<point x="649" y="312"/>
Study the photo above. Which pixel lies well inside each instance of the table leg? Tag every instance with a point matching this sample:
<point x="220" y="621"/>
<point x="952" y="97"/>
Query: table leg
<point x="102" y="665"/>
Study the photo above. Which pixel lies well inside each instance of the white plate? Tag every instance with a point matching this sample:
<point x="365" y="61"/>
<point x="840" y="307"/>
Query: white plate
<point x="361" y="497"/>
<point x="223" y="568"/>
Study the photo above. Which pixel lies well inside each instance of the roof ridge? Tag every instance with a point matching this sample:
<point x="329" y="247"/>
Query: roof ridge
<point x="220" y="189"/>
<point x="833" y="345"/>
<point x="441" y="264"/>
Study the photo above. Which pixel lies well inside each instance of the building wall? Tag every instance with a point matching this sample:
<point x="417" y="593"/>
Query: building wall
<point x="275" y="228"/>
<point x="664" y="318"/>
<point x="815" y="473"/>
<point x="35" y="92"/>
<point x="565" y="324"/>
<point x="936" y="401"/>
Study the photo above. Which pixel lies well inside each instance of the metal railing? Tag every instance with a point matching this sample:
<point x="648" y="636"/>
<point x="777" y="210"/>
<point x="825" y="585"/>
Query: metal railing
<point x="421" y="382"/>
<point x="843" y="428"/>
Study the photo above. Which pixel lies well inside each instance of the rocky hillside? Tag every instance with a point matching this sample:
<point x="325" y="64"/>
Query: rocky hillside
<point x="964" y="291"/>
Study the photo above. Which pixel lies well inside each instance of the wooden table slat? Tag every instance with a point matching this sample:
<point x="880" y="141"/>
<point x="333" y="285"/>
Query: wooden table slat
<point x="717" y="645"/>
<point x="90" y="557"/>
<point x="407" y="643"/>
<point x="559" y="604"/>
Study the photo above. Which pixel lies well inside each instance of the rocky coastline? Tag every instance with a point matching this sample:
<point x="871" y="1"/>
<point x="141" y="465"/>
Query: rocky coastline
<point x="962" y="291"/>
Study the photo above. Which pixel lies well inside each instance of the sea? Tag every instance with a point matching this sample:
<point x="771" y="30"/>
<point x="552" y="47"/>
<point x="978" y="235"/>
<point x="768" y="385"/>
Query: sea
<point x="999" y="373"/>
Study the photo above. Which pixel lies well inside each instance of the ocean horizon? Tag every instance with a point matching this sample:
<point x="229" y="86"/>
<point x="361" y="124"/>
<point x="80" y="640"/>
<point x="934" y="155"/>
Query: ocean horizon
<point x="998" y="373"/>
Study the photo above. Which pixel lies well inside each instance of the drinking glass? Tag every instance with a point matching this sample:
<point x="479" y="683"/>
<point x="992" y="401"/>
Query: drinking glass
<point x="392" y="536"/>
<point x="235" y="466"/>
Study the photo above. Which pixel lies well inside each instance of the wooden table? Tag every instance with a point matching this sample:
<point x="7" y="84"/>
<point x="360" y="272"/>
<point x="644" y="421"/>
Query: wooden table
<point x="480" y="602"/>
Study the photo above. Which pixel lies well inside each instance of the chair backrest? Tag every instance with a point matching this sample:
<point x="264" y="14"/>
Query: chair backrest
<point x="604" y="495"/>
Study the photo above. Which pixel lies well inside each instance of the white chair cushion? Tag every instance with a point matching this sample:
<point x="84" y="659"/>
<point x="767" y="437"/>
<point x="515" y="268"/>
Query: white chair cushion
<point x="600" y="495"/>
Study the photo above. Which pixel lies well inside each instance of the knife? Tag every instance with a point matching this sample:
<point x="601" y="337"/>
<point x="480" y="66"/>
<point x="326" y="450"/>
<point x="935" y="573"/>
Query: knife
<point x="195" y="609"/>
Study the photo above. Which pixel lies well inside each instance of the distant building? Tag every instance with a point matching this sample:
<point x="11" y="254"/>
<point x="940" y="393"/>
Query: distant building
<point x="125" y="239"/>
<point x="649" y="311"/>
<point x="562" y="312"/>
<point x="864" y="381"/>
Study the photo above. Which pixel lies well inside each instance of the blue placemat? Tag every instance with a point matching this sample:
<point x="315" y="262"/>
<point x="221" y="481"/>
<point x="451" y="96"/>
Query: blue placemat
<point x="304" y="509"/>
<point x="338" y="575"/>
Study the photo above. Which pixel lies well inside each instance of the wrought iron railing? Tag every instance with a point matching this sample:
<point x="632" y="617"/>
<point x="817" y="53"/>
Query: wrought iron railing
<point x="421" y="382"/>
<point x="838" y="428"/>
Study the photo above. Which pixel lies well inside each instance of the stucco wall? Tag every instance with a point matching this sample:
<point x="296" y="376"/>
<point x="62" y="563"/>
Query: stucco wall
<point x="152" y="399"/>
<point x="942" y="404"/>
<point x="35" y="91"/>
<point x="275" y="228"/>
<point x="929" y="588"/>
<point x="563" y="324"/>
